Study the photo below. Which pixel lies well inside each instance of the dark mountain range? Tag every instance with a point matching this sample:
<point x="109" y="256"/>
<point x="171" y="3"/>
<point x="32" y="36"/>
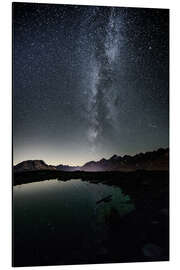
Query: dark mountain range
<point x="155" y="160"/>
<point x="33" y="165"/>
<point x="62" y="167"/>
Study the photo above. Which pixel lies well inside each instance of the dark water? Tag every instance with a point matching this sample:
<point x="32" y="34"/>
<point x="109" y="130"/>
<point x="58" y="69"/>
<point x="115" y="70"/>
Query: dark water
<point x="59" y="222"/>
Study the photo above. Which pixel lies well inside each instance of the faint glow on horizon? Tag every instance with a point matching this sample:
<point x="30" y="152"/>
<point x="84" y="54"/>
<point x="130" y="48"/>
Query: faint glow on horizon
<point x="75" y="160"/>
<point x="52" y="157"/>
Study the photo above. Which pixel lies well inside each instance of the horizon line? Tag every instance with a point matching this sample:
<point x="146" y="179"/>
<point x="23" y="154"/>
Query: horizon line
<point x="131" y="155"/>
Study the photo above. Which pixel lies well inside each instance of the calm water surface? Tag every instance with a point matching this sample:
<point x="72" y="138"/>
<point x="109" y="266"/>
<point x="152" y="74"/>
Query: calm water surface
<point x="52" y="214"/>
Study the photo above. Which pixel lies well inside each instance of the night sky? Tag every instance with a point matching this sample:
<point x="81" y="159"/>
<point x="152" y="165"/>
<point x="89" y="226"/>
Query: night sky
<point x="89" y="82"/>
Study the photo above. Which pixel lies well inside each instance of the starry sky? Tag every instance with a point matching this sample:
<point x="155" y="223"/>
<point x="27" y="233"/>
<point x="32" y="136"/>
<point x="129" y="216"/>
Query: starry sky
<point x="89" y="82"/>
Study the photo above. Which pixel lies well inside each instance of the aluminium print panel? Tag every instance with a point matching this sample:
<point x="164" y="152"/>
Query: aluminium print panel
<point x="90" y="134"/>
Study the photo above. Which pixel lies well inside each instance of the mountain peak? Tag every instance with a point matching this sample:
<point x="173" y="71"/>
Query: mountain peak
<point x="114" y="157"/>
<point x="154" y="160"/>
<point x="32" y="165"/>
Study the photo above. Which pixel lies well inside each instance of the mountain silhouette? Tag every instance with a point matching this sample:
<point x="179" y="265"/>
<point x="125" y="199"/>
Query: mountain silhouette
<point x="33" y="165"/>
<point x="155" y="160"/>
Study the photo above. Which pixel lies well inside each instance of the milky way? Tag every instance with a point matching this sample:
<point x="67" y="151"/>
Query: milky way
<point x="89" y="82"/>
<point x="102" y="95"/>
